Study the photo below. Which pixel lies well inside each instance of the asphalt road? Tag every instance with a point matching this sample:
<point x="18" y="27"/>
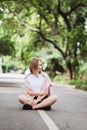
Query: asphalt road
<point x="68" y="113"/>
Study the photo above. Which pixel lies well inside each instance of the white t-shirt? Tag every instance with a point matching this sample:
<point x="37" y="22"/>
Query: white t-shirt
<point x="37" y="83"/>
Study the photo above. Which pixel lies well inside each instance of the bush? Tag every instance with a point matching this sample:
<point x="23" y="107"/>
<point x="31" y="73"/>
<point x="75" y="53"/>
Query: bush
<point x="80" y="84"/>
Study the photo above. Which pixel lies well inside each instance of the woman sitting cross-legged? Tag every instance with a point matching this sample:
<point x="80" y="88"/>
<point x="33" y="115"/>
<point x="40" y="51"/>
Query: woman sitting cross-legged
<point x="37" y="87"/>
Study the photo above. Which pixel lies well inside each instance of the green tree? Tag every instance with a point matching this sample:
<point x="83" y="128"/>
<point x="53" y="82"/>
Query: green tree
<point x="6" y="46"/>
<point x="6" y="49"/>
<point x="60" y="23"/>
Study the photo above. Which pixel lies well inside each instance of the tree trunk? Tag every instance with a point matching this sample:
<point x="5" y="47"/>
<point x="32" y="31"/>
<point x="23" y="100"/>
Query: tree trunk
<point x="70" y="74"/>
<point x="0" y="64"/>
<point x="69" y="70"/>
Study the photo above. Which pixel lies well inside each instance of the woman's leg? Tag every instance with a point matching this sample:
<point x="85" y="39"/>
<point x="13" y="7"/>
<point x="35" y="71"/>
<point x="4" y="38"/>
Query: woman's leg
<point x="25" y="99"/>
<point x="46" y="102"/>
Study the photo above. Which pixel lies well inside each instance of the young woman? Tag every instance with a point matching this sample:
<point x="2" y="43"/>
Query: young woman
<point x="37" y="87"/>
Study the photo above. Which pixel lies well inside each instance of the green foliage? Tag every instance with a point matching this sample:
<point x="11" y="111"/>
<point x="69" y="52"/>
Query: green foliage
<point x="27" y="47"/>
<point x="12" y="64"/>
<point x="79" y="84"/>
<point x="34" y="23"/>
<point x="61" y="79"/>
<point x="82" y="73"/>
<point x="6" y="46"/>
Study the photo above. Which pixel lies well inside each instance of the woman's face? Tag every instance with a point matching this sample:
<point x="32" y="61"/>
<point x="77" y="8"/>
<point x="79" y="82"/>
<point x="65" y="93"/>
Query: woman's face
<point x="39" y="68"/>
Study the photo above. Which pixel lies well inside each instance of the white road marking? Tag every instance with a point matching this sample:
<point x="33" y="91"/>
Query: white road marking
<point x="50" y="124"/>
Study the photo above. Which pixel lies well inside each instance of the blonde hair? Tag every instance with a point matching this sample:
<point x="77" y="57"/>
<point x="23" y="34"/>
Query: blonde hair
<point x="34" y="64"/>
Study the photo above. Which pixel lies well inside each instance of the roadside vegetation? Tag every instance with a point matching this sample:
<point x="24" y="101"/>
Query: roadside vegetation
<point x="77" y="83"/>
<point x="55" y="31"/>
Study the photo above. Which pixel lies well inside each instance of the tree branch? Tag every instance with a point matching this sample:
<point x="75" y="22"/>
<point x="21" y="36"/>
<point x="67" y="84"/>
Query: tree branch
<point x="74" y="8"/>
<point x="64" y="15"/>
<point x="22" y="23"/>
<point x="52" y="42"/>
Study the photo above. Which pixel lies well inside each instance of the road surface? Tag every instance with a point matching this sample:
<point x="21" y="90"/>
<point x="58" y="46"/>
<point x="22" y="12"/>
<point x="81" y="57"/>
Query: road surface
<point x="68" y="113"/>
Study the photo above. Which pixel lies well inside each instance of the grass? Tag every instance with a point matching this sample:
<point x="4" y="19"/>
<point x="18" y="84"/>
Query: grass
<point x="79" y="84"/>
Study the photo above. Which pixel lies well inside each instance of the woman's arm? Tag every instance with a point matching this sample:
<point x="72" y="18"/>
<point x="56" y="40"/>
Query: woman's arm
<point x="43" y="93"/>
<point x="31" y="92"/>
